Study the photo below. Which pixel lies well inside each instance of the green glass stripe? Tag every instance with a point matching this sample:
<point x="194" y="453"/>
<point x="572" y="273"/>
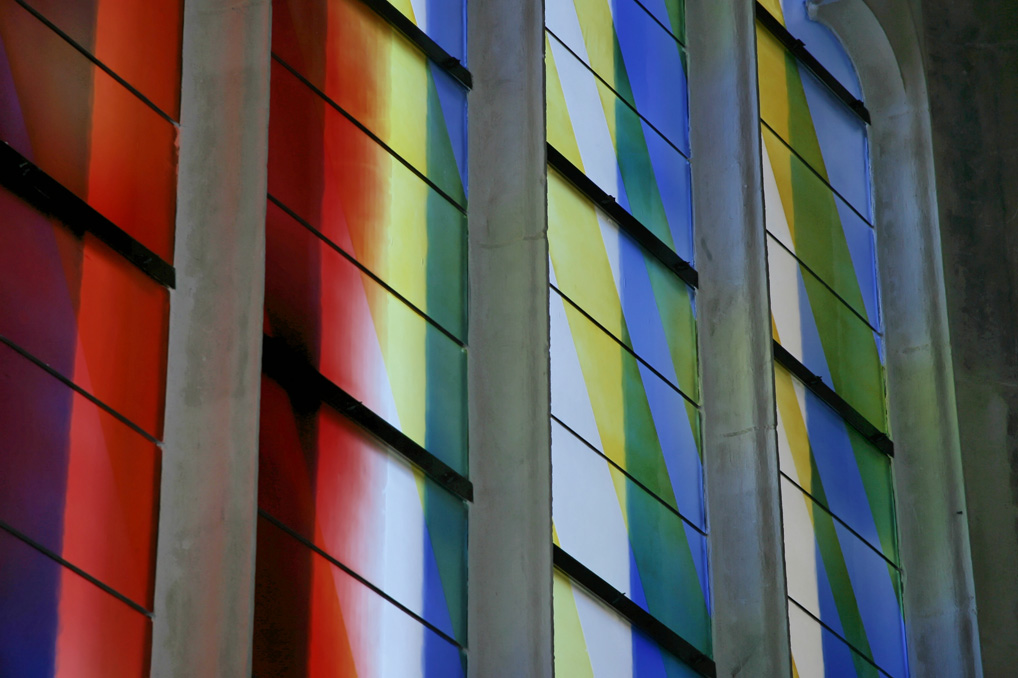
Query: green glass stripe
<point x="837" y="575"/>
<point x="674" y="303"/>
<point x="444" y="514"/>
<point x="442" y="168"/>
<point x="665" y="561"/>
<point x="644" y="458"/>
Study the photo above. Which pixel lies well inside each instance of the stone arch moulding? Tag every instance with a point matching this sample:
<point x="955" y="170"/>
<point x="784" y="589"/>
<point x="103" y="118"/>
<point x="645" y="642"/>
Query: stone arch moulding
<point x="940" y="610"/>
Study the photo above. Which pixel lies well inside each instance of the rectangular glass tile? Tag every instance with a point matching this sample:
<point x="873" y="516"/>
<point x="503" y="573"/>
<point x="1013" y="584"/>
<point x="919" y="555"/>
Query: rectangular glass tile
<point x="820" y="229"/>
<point x="630" y="539"/>
<point x="85" y="311"/>
<point x="375" y="74"/>
<point x="444" y="21"/>
<point x="825" y="335"/>
<point x="343" y="490"/>
<point x="77" y="480"/>
<point x="624" y="410"/>
<point x="314" y="619"/>
<point x="835" y="464"/>
<point x="818" y="653"/>
<point x="813" y="121"/>
<point x="86" y="130"/>
<point x="594" y="641"/>
<point x="633" y="53"/>
<point x="57" y="623"/>
<point x="619" y="151"/>
<point x="364" y="200"/>
<point x="625" y="289"/>
<point x="365" y="339"/>
<point x="843" y="582"/>
<point x="139" y="41"/>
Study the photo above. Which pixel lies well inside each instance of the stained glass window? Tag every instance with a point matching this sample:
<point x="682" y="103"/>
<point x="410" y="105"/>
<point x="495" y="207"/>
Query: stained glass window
<point x="841" y="555"/>
<point x="361" y="543"/>
<point x="627" y="470"/>
<point x="89" y="97"/>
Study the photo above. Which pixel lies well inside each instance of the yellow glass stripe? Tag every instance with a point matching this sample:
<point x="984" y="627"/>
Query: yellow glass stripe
<point x="560" y="127"/>
<point x="571" y="656"/>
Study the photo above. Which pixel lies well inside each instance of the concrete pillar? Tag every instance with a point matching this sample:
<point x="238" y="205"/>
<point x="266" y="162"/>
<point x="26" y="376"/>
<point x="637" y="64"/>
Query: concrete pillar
<point x="733" y="310"/>
<point x="205" y="568"/>
<point x="510" y="609"/>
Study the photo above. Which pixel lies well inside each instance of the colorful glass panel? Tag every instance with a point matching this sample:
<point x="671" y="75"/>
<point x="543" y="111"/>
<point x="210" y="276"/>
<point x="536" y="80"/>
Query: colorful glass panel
<point x="312" y="618"/>
<point x="140" y="41"/>
<point x="825" y="335"/>
<point x="834" y="463"/>
<point x="625" y="411"/>
<point x="818" y="39"/>
<point x="364" y="339"/>
<point x="630" y="538"/>
<point x="593" y="641"/>
<point x="77" y="480"/>
<point x="338" y="487"/>
<point x="87" y="130"/>
<point x="630" y="51"/>
<point x="820" y="229"/>
<point x="85" y="311"/>
<point x="444" y="21"/>
<point x="379" y="78"/>
<point x="816" y="651"/>
<point x="818" y="126"/>
<point x="843" y="582"/>
<point x="360" y="197"/>
<point x="56" y="623"/>
<point x="627" y="291"/>
<point x="620" y="152"/>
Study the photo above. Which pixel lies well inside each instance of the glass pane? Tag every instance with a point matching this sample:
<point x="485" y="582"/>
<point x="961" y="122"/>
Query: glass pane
<point x="314" y="619"/>
<point x="818" y="653"/>
<point x="379" y="77"/>
<point x="76" y="479"/>
<point x="835" y="464"/>
<point x="84" y="311"/>
<point x="364" y="200"/>
<point x="818" y="39"/>
<point x="818" y="125"/>
<point x="621" y="408"/>
<point x="820" y="229"/>
<point x="593" y="641"/>
<point x="340" y="488"/>
<point x="58" y="623"/>
<point x="442" y="20"/>
<point x="86" y="130"/>
<point x="843" y="582"/>
<point x="365" y="339"/>
<point x="627" y="291"/>
<point x="630" y="50"/>
<point x="826" y="336"/>
<point x="629" y="538"/>
<point x="140" y="41"/>
<point x="601" y="135"/>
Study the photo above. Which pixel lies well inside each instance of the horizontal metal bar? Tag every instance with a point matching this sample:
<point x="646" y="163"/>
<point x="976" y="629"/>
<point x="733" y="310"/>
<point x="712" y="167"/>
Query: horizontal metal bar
<point x="432" y="49"/>
<point x="626" y="221"/>
<point x="816" y="384"/>
<point x="799" y="51"/>
<point x="23" y="178"/>
<point x="640" y="618"/>
<point x="292" y="371"/>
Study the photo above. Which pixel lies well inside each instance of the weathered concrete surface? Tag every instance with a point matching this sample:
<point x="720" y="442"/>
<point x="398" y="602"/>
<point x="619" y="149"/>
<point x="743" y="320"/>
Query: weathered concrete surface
<point x="205" y="567"/>
<point x="510" y="608"/>
<point x="971" y="52"/>
<point x="740" y="444"/>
